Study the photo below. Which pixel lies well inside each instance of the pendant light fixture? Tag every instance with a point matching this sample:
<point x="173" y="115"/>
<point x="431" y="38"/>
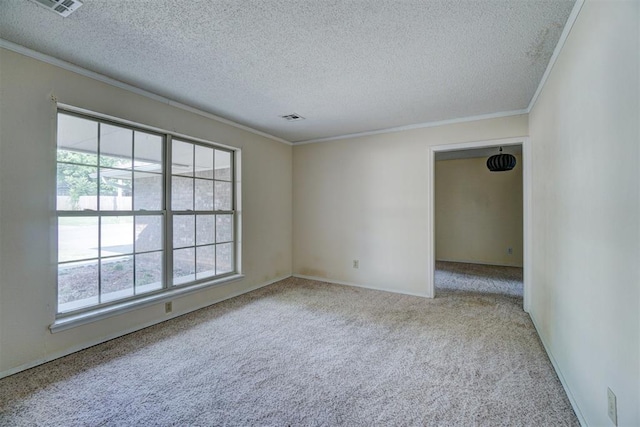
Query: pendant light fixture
<point x="501" y="162"/>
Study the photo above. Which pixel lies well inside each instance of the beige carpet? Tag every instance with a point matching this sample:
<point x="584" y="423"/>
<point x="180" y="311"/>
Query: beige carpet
<point x="307" y="353"/>
<point x="483" y="278"/>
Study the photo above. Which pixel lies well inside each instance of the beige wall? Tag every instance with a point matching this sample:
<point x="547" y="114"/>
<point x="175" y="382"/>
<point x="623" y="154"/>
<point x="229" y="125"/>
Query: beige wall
<point x="478" y="212"/>
<point x="586" y="216"/>
<point x="27" y="171"/>
<point x="367" y="199"/>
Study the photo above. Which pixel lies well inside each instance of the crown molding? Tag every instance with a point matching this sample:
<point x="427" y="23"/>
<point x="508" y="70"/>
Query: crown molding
<point x="415" y="126"/>
<point x="554" y="57"/>
<point x="556" y="52"/>
<point x="100" y="77"/>
<point x="130" y="88"/>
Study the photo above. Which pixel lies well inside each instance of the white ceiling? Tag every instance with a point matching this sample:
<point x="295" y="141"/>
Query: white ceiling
<point x="346" y="66"/>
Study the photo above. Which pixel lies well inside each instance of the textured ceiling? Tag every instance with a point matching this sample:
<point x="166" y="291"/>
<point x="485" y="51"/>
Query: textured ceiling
<point x="347" y="66"/>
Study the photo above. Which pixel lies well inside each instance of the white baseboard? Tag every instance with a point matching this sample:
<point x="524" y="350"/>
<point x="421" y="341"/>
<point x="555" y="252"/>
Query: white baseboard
<point x="357" y="285"/>
<point x="118" y="334"/>
<point x="564" y="383"/>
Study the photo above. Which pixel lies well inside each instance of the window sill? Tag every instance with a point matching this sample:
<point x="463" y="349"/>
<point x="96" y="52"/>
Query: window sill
<point x="72" y="321"/>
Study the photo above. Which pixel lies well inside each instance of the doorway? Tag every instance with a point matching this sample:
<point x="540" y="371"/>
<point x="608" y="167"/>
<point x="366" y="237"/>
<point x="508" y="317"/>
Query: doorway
<point x="477" y="257"/>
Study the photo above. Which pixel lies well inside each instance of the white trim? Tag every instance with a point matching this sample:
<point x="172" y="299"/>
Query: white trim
<point x="431" y="227"/>
<point x="573" y="16"/>
<point x="526" y="206"/>
<point x="563" y="381"/>
<point x="100" y="77"/>
<point x="556" y="52"/>
<point x="97" y="341"/>
<point x="130" y="88"/>
<point x="527" y="223"/>
<point x="416" y="126"/>
<point x="357" y="285"/>
<point x="486" y="143"/>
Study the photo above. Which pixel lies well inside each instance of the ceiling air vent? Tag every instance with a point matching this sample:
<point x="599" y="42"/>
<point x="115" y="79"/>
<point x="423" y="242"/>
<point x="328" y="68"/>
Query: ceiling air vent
<point x="293" y="117"/>
<point x="61" y="7"/>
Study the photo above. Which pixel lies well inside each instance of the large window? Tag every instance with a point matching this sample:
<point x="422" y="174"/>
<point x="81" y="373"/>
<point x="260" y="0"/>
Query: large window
<point x="117" y="201"/>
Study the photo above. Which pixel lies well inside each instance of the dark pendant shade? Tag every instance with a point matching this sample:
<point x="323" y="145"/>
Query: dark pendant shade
<point x="501" y="162"/>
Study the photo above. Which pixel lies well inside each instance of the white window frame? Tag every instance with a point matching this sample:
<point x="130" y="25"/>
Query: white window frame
<point x="66" y="320"/>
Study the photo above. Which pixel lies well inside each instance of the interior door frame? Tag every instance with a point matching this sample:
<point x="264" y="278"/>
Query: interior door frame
<point x="526" y="206"/>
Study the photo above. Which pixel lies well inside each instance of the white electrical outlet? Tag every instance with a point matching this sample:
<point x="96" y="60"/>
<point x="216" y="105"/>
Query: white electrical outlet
<point x="168" y="307"/>
<point x="612" y="408"/>
<point x="356" y="263"/>
<point x="510" y="251"/>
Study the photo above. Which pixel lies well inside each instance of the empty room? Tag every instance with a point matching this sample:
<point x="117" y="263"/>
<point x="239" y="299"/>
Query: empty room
<point x="478" y="220"/>
<point x="305" y="213"/>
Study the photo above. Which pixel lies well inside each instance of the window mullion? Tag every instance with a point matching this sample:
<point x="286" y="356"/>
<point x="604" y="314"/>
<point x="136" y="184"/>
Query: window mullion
<point x="195" y="217"/>
<point x="168" y="224"/>
<point x="98" y="174"/>
<point x="234" y="208"/>
<point x="215" y="218"/>
<point x="133" y="209"/>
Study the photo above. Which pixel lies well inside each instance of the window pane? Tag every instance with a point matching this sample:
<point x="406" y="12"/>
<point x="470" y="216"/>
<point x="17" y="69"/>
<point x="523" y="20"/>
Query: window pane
<point x="148" y="233"/>
<point x="77" y="285"/>
<point x="205" y="229"/>
<point x="184" y="265"/>
<point x="147" y="152"/>
<point x="204" y="195"/>
<point x="224" y="228"/>
<point x="205" y="261"/>
<point x="223" y="196"/>
<point x="108" y="168"/>
<point x="77" y="188"/>
<point x="147" y="191"/>
<point x="148" y="272"/>
<point x="77" y="140"/>
<point x="224" y="258"/>
<point x="204" y="161"/>
<point x="183" y="230"/>
<point x="223" y="165"/>
<point x="116" y="147"/>
<point x="181" y="193"/>
<point x="116" y="278"/>
<point x="182" y="158"/>
<point x="115" y="190"/>
<point x="77" y="238"/>
<point x="116" y="233"/>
